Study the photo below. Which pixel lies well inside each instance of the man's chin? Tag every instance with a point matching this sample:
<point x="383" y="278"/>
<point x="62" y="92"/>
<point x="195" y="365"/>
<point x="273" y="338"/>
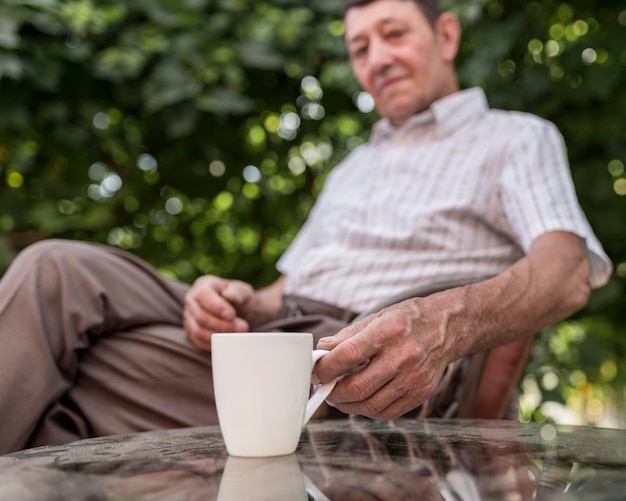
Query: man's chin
<point x="400" y="112"/>
<point x="400" y="116"/>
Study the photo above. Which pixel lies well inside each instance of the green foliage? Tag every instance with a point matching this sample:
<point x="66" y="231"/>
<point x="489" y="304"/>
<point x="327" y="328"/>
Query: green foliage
<point x="185" y="131"/>
<point x="197" y="133"/>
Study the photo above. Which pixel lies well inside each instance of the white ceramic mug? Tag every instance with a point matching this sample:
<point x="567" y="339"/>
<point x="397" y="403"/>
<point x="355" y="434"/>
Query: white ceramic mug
<point x="262" y="382"/>
<point x="260" y="479"/>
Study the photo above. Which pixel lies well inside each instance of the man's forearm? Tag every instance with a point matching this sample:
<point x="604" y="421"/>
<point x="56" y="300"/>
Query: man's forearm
<point x="546" y="286"/>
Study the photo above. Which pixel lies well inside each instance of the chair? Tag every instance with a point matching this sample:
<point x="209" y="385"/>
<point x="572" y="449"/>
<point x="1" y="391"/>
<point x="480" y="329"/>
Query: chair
<point x="481" y="385"/>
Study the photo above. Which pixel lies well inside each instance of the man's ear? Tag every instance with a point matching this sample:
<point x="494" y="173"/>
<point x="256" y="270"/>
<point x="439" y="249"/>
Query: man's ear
<point x="448" y="32"/>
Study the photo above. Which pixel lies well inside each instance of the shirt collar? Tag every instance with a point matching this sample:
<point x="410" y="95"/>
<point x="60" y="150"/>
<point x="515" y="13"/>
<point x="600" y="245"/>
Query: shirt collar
<point x="448" y="114"/>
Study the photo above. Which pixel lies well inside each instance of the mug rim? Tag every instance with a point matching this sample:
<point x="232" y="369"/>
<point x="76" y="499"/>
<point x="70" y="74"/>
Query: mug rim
<point x="261" y="333"/>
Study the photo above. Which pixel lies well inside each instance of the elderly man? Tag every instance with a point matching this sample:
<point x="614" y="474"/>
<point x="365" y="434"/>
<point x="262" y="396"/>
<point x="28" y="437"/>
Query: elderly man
<point x="96" y="342"/>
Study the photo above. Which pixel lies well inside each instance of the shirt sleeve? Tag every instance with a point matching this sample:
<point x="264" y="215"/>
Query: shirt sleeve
<point x="538" y="194"/>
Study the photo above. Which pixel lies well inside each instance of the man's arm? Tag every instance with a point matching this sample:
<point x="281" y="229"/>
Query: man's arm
<point x="214" y="304"/>
<point x="550" y="284"/>
<point x="409" y="344"/>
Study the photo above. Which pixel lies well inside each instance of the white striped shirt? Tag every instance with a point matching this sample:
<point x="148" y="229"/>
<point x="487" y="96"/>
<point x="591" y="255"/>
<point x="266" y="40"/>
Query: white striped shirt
<point x="459" y="191"/>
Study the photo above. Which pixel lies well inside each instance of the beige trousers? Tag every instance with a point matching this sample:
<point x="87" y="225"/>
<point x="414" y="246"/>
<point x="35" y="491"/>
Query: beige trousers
<point x="91" y="344"/>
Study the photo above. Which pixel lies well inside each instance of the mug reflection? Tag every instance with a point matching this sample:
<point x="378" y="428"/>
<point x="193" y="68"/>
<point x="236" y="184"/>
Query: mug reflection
<point x="277" y="478"/>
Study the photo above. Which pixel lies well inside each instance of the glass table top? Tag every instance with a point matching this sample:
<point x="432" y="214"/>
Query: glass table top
<point x="356" y="459"/>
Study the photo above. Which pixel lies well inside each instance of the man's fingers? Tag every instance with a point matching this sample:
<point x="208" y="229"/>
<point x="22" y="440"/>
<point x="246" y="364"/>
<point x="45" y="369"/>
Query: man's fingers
<point x="342" y="359"/>
<point x="393" y="411"/>
<point x="198" y="336"/>
<point x="237" y="293"/>
<point x="330" y="342"/>
<point x="349" y="348"/>
<point x="201" y="324"/>
<point x="212" y="304"/>
<point x="387" y="403"/>
<point x="218" y="325"/>
<point x="210" y="321"/>
<point x="201" y="336"/>
<point x="217" y="295"/>
<point x="375" y="391"/>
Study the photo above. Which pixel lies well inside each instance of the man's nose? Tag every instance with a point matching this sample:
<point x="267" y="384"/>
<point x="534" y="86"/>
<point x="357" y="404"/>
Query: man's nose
<point x="380" y="55"/>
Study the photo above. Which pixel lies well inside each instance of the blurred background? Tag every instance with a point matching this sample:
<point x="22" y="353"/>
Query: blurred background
<point x="197" y="134"/>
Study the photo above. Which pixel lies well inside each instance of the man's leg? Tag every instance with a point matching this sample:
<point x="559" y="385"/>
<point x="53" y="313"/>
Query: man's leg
<point x="58" y="300"/>
<point x="149" y="378"/>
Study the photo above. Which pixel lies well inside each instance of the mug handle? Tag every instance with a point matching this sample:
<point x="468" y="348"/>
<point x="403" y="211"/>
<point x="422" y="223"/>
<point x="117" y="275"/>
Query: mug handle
<point x="321" y="393"/>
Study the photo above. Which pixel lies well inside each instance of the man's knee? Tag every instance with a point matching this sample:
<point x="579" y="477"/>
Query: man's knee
<point x="56" y="254"/>
<point x="52" y="249"/>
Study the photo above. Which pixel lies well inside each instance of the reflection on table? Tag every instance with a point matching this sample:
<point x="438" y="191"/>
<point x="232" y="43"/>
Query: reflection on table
<point x="357" y="459"/>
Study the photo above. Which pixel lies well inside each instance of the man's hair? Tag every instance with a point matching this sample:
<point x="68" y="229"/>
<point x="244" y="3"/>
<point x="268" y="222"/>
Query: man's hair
<point x="430" y="8"/>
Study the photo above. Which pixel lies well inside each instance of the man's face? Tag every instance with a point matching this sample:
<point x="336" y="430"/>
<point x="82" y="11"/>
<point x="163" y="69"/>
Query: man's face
<point x="398" y="58"/>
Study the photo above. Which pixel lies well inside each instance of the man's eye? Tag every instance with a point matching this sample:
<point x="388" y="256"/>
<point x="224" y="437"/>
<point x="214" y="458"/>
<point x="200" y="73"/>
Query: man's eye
<point x="396" y="34"/>
<point x="360" y="52"/>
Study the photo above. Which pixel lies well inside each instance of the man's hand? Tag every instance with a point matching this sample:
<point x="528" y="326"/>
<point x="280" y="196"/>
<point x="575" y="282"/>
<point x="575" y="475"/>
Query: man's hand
<point x="405" y="354"/>
<point x="214" y="304"/>
<point x="407" y="346"/>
